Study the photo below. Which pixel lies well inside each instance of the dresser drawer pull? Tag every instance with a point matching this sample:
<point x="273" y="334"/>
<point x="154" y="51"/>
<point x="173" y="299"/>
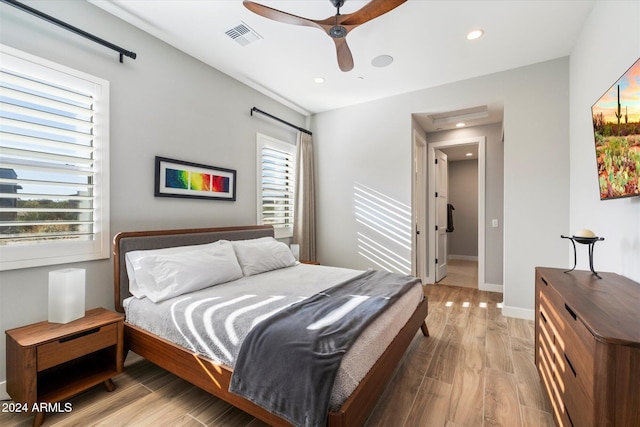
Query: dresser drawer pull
<point x="543" y="318"/>
<point x="568" y="416"/>
<point x="79" y="335"/>
<point x="570" y="365"/>
<point x="544" y="281"/>
<point x="570" y="311"/>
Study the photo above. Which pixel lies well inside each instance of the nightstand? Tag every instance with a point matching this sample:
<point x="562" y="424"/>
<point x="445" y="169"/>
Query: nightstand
<point x="50" y="362"/>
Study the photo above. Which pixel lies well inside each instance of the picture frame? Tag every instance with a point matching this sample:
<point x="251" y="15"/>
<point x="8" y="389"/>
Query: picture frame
<point x="178" y="178"/>
<point x="616" y="132"/>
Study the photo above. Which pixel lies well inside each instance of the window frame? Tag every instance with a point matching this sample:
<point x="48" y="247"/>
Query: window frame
<point x="38" y="254"/>
<point x="267" y="141"/>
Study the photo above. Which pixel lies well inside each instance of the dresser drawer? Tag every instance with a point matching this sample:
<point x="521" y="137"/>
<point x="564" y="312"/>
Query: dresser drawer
<point x="578" y="404"/>
<point x="575" y="345"/>
<point x="71" y="347"/>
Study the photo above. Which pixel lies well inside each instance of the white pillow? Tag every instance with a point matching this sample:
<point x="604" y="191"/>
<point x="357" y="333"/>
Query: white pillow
<point x="163" y="275"/>
<point x="264" y="254"/>
<point x="132" y="261"/>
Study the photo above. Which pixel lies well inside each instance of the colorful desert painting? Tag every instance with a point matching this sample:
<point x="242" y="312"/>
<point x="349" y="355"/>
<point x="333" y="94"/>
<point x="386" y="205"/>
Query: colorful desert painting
<point x="616" y="125"/>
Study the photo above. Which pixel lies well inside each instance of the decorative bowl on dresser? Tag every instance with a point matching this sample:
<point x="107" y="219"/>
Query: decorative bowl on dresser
<point x="587" y="347"/>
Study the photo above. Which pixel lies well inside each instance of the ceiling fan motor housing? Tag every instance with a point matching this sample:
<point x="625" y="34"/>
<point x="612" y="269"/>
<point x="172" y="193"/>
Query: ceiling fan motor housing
<point x="337" y="31"/>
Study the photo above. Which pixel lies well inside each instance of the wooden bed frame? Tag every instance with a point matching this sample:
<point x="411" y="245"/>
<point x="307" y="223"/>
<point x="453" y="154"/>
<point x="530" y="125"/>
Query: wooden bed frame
<point x="215" y="378"/>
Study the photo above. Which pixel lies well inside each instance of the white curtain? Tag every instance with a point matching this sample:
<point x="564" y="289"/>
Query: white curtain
<point x="304" y="224"/>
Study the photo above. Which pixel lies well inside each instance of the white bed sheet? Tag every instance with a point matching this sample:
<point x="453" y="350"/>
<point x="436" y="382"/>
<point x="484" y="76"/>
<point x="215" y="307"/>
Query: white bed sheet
<point x="293" y="284"/>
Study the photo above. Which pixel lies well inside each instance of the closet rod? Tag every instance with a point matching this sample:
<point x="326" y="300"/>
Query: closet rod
<point x="280" y="120"/>
<point x="51" y="19"/>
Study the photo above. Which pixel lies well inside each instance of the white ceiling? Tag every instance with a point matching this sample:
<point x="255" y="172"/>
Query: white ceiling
<point x="426" y="38"/>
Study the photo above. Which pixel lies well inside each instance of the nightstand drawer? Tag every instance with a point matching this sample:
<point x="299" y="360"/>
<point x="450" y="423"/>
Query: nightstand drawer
<point x="76" y="345"/>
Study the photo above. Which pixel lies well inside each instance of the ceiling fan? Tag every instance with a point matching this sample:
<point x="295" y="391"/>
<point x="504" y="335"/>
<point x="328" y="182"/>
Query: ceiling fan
<point x="337" y="26"/>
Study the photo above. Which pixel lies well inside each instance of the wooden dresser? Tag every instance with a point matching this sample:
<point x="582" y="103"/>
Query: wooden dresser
<point x="587" y="347"/>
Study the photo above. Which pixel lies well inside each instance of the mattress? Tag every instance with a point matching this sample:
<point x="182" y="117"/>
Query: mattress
<point x="217" y="319"/>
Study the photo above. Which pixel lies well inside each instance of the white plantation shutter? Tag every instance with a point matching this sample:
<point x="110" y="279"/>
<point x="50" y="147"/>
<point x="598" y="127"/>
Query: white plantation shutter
<point x="53" y="163"/>
<point x="277" y="161"/>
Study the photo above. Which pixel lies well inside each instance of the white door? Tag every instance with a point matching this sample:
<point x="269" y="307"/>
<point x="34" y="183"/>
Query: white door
<point x="420" y="207"/>
<point x="442" y="186"/>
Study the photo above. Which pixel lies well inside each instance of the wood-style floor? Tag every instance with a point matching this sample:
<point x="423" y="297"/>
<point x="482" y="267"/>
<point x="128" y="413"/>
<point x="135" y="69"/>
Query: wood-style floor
<point x="461" y="272"/>
<point x="476" y="369"/>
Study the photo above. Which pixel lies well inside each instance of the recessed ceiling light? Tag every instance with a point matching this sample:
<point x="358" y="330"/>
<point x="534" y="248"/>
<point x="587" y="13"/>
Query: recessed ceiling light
<point x="382" y="61"/>
<point x="469" y="154"/>
<point x="319" y="80"/>
<point x="475" y="34"/>
<point x="460" y="125"/>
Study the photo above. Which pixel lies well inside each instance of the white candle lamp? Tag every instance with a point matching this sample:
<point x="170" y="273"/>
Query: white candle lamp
<point x="66" y="295"/>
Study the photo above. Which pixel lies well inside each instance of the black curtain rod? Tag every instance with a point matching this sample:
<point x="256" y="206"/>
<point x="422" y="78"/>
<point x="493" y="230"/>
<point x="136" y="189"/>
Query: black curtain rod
<point x="280" y="120"/>
<point x="51" y="19"/>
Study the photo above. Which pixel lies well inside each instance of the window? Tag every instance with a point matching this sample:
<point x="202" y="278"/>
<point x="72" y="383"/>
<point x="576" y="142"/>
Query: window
<point x="276" y="184"/>
<point x="54" y="145"/>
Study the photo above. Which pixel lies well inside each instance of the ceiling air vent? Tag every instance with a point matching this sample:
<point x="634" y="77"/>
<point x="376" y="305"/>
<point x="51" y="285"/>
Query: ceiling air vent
<point x="243" y="34"/>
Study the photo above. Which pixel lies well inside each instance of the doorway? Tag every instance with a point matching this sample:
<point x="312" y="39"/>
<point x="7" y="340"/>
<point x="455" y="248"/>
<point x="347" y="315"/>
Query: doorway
<point x="426" y="219"/>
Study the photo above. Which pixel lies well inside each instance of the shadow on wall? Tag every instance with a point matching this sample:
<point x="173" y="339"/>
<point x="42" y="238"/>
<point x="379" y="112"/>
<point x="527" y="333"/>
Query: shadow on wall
<point x="384" y="229"/>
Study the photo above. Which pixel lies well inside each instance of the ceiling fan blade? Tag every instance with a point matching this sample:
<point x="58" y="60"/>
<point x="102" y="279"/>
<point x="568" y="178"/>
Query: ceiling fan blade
<point x="345" y="59"/>
<point x="371" y="10"/>
<point x="278" y="15"/>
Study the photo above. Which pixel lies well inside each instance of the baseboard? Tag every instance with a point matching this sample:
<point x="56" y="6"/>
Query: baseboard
<point x="463" y="257"/>
<point x="3" y="391"/>
<point x="520" y="313"/>
<point x="490" y="287"/>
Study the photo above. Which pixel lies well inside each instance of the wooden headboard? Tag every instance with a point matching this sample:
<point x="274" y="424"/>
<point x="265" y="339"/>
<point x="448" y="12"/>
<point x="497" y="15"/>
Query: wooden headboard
<point x="127" y="241"/>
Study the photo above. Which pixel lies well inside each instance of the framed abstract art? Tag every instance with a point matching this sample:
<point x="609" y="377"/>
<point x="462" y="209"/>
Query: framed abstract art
<point x="176" y="178"/>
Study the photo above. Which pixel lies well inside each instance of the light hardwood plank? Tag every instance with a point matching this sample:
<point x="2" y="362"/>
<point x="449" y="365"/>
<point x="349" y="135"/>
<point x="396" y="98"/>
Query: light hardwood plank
<point x="535" y="418"/>
<point x="445" y="357"/>
<point x="467" y="397"/>
<point x="210" y="410"/>
<point x="501" y="400"/>
<point x="98" y="406"/>
<point x="430" y="407"/>
<point x="498" y="351"/>
<point x="530" y="388"/>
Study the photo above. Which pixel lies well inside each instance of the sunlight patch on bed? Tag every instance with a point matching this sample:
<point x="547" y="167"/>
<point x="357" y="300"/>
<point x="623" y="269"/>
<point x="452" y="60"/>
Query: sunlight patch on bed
<point x="273" y="312"/>
<point x="338" y="313"/>
<point x="209" y="326"/>
<point x="384" y="236"/>
<point x="192" y="306"/>
<point x="231" y="319"/>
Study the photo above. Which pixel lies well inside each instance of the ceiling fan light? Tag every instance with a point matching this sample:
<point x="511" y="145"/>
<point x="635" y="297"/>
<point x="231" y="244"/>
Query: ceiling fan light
<point x="475" y="34"/>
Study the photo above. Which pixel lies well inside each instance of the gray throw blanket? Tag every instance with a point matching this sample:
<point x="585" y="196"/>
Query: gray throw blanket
<point x="288" y="363"/>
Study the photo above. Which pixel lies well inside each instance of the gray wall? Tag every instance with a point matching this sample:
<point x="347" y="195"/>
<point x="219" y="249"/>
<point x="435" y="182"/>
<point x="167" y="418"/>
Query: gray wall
<point x="608" y="45"/>
<point x="163" y="103"/>
<point x="463" y="196"/>
<point x="371" y="144"/>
